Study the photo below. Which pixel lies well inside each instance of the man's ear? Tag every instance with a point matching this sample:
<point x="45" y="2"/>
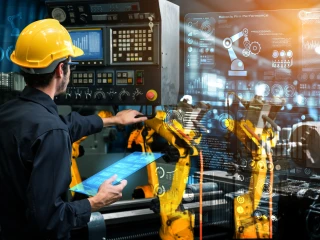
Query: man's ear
<point x="59" y="70"/>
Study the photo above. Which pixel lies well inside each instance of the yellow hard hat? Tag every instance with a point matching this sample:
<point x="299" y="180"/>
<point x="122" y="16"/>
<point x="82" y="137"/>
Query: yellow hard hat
<point x="43" y="44"/>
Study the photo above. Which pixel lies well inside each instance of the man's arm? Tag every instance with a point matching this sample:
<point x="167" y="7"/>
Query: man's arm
<point x="124" y="117"/>
<point x="80" y="126"/>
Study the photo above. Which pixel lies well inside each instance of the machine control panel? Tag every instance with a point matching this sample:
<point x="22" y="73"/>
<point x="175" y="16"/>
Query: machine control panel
<point x="131" y="51"/>
<point x="109" y="87"/>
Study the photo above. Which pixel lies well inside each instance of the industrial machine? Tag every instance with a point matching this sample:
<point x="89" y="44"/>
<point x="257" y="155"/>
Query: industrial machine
<point x="173" y="213"/>
<point x="131" y="51"/>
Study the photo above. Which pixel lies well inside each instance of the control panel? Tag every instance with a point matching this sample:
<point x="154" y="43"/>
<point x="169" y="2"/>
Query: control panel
<point x="103" y="87"/>
<point x="131" y="51"/>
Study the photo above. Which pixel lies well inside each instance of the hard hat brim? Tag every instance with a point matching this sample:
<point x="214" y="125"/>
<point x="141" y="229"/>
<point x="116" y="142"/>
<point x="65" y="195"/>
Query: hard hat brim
<point x="77" y="51"/>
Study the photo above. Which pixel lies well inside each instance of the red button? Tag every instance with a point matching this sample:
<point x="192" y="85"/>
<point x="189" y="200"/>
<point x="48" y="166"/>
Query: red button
<point x="139" y="80"/>
<point x="150" y="95"/>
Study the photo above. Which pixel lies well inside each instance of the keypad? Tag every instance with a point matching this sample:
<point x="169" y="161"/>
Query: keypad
<point x="124" y="77"/>
<point x="105" y="78"/>
<point x="82" y="78"/>
<point x="132" y="45"/>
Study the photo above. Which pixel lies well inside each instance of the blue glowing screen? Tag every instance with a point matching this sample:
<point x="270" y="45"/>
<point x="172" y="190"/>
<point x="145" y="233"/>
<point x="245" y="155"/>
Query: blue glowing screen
<point x="123" y="168"/>
<point x="90" y="41"/>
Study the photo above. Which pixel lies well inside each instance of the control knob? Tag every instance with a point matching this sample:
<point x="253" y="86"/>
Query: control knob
<point x="123" y="95"/>
<point x="136" y="95"/>
<point x="83" y="17"/>
<point x="88" y="96"/>
<point x="78" y="96"/>
<point x="111" y="94"/>
<point x="68" y="96"/>
<point x="99" y="96"/>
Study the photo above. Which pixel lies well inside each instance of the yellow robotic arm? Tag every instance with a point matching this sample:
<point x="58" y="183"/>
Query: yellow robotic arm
<point x="259" y="134"/>
<point x="177" y="223"/>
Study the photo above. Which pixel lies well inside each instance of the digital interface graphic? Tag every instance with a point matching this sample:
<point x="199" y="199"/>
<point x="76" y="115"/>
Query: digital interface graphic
<point x="90" y="41"/>
<point x="123" y="168"/>
<point x="273" y="54"/>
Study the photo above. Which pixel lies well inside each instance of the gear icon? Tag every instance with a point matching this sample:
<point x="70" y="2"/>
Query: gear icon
<point x="246" y="43"/>
<point x="245" y="31"/>
<point x="255" y="48"/>
<point x="246" y="52"/>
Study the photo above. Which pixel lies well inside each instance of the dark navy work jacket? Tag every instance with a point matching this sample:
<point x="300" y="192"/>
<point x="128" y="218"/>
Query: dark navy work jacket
<point x="35" y="161"/>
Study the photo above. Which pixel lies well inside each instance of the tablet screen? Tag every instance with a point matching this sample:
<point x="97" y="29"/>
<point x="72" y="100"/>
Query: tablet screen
<point x="123" y="168"/>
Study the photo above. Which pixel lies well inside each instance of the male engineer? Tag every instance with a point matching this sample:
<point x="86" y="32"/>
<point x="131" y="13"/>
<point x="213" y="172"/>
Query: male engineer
<point x="36" y="143"/>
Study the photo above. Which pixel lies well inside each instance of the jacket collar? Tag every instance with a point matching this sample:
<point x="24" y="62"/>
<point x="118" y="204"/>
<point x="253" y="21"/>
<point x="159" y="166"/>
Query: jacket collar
<point x="37" y="96"/>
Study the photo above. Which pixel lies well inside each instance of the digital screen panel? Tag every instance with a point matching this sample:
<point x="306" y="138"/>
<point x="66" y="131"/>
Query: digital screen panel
<point x="273" y="54"/>
<point x="90" y="41"/>
<point x="270" y="53"/>
<point x="122" y="168"/>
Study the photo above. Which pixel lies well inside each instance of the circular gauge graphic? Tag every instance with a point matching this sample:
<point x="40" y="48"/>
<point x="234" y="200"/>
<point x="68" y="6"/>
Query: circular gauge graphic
<point x="262" y="89"/>
<point x="282" y="53"/>
<point x="307" y="171"/>
<point x="226" y="122"/>
<point x="227" y="42"/>
<point x="277" y="90"/>
<point x="275" y="54"/>
<point x="255" y="48"/>
<point x="9" y="52"/>
<point x="303" y="14"/>
<point x="312" y="76"/>
<point x="289" y="54"/>
<point x="160" y="172"/>
<point x="240" y="199"/>
<point x="289" y="90"/>
<point x="160" y="190"/>
<point x="59" y="14"/>
<point x="1" y="54"/>
<point x="190" y="40"/>
<point x="304" y="77"/>
<point x="207" y="28"/>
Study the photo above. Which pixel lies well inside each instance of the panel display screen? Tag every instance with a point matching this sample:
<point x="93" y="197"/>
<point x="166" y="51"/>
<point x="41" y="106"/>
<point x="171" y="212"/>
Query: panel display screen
<point x="273" y="54"/>
<point x="90" y="41"/>
<point x="123" y="168"/>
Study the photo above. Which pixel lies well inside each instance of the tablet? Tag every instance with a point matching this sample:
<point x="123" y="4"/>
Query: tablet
<point x="123" y="168"/>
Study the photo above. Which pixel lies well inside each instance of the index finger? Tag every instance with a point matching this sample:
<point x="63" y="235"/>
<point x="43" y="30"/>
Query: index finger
<point x="112" y="179"/>
<point x="122" y="184"/>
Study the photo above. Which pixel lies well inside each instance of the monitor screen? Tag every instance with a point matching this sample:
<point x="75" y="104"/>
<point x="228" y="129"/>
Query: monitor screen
<point x="90" y="41"/>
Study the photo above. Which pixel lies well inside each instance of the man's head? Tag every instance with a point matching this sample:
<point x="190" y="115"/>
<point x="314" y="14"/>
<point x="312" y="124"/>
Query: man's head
<point x="43" y="51"/>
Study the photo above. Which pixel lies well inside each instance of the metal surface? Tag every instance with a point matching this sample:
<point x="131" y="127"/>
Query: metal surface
<point x="169" y="52"/>
<point x="96" y="227"/>
<point x="147" y="214"/>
